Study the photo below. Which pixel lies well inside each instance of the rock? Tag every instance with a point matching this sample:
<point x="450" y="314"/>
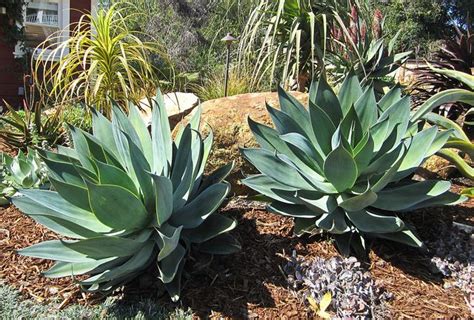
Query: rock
<point x="227" y="117"/>
<point x="435" y="167"/>
<point x="178" y="105"/>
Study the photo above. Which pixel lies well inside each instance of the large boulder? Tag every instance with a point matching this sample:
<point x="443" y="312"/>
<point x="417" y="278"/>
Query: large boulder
<point x="227" y="117"/>
<point x="178" y="105"/>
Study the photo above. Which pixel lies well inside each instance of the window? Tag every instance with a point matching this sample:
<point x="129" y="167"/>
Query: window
<point x="43" y="18"/>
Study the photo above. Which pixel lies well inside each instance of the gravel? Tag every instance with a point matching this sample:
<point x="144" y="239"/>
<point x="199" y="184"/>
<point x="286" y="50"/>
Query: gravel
<point x="453" y="257"/>
<point x="354" y="293"/>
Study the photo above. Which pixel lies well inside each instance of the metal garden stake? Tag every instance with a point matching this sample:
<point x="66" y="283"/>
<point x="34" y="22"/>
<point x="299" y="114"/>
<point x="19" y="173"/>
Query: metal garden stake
<point x="228" y="39"/>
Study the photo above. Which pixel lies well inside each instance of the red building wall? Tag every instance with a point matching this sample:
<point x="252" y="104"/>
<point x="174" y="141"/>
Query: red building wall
<point x="11" y="70"/>
<point x="11" y="75"/>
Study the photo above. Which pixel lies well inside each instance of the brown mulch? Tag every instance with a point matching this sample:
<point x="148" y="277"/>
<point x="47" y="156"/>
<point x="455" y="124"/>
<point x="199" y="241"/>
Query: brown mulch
<point x="251" y="283"/>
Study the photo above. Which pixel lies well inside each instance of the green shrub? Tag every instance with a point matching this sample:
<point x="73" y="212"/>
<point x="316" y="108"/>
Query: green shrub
<point x="130" y="200"/>
<point x="77" y="116"/>
<point x="344" y="165"/>
<point x="213" y="86"/>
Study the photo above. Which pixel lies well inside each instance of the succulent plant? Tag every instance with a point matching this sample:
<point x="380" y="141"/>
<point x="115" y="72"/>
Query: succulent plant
<point x="126" y="200"/>
<point x="24" y="171"/>
<point x="344" y="164"/>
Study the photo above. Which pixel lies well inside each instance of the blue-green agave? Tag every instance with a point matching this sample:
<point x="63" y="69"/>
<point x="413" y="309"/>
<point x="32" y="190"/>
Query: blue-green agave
<point x="343" y="165"/>
<point x="127" y="199"/>
<point x="23" y="171"/>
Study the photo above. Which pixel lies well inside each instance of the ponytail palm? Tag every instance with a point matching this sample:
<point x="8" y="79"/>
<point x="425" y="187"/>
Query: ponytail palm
<point x="102" y="61"/>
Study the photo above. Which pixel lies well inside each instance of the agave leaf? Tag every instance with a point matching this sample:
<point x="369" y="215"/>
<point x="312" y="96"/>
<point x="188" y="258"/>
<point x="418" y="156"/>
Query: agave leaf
<point x="65" y="269"/>
<point x="64" y="227"/>
<point x="318" y="202"/>
<point x="464" y="168"/>
<point x="358" y="202"/>
<point x="102" y="129"/>
<point x="367" y="221"/>
<point x="117" y="207"/>
<point x="364" y="153"/>
<point x="293" y="108"/>
<point x="163" y="198"/>
<point x="405" y="236"/>
<point x="122" y="122"/>
<point x="340" y="169"/>
<point x="321" y="95"/>
<point x="333" y="222"/>
<point x="222" y="244"/>
<point x="303" y="226"/>
<point x="439" y="141"/>
<point x="169" y="241"/>
<point x="136" y="263"/>
<point x="105" y="247"/>
<point x="270" y="188"/>
<point x="81" y="147"/>
<point x="350" y="92"/>
<point x="446" y="123"/>
<point x="50" y="203"/>
<point x="323" y="128"/>
<point x="161" y="138"/>
<point x="168" y="267"/>
<point x="142" y="132"/>
<point x="54" y="250"/>
<point x="366" y="108"/>
<point x="305" y="151"/>
<point x="174" y="287"/>
<point x="293" y="210"/>
<point x="213" y="226"/>
<point x="107" y="174"/>
<point x="403" y="197"/>
<point x="217" y="176"/>
<point x="285" y="123"/>
<point x="76" y="195"/>
<point x="447" y="198"/>
<point x="446" y="96"/>
<point x="194" y="213"/>
<point x="417" y="151"/>
<point x="390" y="98"/>
<point x="275" y="168"/>
<point x="207" y="145"/>
<point x="379" y="132"/>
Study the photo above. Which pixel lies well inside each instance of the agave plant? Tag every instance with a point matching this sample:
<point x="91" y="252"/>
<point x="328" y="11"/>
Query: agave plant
<point x="127" y="200"/>
<point x="361" y="48"/>
<point x="21" y="172"/>
<point x="458" y="139"/>
<point x="455" y="55"/>
<point x="344" y="164"/>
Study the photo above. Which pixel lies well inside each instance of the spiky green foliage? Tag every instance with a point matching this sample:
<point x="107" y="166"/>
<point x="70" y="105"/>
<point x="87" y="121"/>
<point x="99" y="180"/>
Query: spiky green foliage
<point x="130" y="200"/>
<point x="24" y="171"/>
<point x="344" y="164"/>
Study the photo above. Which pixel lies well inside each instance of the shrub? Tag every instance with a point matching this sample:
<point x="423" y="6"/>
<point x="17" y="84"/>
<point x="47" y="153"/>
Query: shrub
<point x="344" y="165"/>
<point x="30" y="127"/>
<point x="101" y="63"/>
<point x="130" y="200"/>
<point x="213" y="86"/>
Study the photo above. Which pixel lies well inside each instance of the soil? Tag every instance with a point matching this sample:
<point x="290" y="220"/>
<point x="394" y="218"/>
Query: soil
<point x="251" y="283"/>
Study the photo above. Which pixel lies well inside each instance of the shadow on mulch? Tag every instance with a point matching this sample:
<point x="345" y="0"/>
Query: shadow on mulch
<point x="250" y="283"/>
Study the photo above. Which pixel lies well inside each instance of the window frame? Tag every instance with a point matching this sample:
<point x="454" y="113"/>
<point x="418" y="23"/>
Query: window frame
<point x="64" y="8"/>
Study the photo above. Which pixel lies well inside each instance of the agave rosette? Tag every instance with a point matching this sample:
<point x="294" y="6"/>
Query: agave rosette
<point x="126" y="199"/>
<point x="344" y="164"/>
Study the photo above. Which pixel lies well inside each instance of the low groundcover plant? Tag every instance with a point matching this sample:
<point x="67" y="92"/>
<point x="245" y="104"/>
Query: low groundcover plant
<point x="126" y="199"/>
<point x="344" y="165"/>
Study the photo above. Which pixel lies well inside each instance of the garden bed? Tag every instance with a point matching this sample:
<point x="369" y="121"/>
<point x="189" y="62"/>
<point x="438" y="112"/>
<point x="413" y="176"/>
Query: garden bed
<point x="252" y="283"/>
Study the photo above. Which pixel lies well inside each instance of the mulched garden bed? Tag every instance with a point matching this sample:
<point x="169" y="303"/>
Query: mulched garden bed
<point x="252" y="283"/>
